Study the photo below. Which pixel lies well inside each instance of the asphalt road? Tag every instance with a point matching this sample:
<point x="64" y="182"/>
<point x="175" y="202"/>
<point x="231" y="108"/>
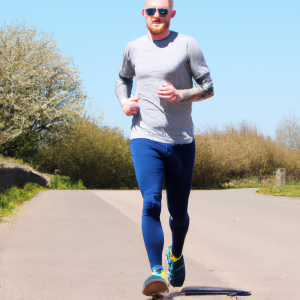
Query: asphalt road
<point x="88" y="245"/>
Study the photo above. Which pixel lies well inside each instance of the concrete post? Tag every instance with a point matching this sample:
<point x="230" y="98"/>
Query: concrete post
<point x="280" y="177"/>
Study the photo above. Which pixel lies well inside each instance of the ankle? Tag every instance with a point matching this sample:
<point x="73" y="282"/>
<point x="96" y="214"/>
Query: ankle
<point x="173" y="256"/>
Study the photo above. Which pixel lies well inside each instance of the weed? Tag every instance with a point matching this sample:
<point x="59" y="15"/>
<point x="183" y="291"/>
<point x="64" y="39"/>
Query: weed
<point x="289" y="190"/>
<point x="12" y="198"/>
<point x="65" y="183"/>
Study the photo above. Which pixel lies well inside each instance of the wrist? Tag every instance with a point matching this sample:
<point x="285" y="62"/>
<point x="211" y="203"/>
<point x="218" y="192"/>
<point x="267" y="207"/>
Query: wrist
<point x="179" y="96"/>
<point x="123" y="102"/>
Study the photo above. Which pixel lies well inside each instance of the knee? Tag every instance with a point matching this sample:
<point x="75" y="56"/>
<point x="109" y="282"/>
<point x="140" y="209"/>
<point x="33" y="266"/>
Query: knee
<point x="182" y="221"/>
<point x="152" y="207"/>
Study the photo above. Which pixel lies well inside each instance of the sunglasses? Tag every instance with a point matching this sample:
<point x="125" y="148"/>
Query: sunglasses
<point x="162" y="11"/>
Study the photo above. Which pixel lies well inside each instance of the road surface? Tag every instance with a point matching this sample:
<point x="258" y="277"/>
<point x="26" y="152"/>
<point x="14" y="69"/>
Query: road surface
<point x="88" y="245"/>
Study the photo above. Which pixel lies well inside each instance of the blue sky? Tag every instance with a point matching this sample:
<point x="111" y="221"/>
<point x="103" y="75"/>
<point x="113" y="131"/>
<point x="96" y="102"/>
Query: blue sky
<point x="252" y="48"/>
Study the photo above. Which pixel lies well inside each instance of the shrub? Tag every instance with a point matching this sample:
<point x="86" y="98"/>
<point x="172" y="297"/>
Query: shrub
<point x="237" y="152"/>
<point x="65" y="183"/>
<point x="99" y="156"/>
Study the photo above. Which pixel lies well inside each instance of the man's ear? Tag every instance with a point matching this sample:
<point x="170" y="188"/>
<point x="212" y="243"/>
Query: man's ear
<point x="143" y="13"/>
<point x="173" y="13"/>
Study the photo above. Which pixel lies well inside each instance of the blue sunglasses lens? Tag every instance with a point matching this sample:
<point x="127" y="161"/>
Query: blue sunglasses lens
<point x="151" y="11"/>
<point x="163" y="11"/>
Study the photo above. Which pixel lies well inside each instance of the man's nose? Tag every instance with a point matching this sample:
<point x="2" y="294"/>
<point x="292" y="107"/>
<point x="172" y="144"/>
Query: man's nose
<point x="156" y="14"/>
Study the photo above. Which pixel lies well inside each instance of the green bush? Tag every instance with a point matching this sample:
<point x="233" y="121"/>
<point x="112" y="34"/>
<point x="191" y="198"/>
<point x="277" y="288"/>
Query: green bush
<point x="65" y="183"/>
<point x="98" y="156"/>
<point x="23" y="146"/>
<point x="237" y="152"/>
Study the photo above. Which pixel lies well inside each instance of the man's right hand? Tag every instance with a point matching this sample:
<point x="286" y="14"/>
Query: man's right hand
<point x="130" y="107"/>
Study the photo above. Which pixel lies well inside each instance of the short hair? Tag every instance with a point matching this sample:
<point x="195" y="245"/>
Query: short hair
<point x="171" y="4"/>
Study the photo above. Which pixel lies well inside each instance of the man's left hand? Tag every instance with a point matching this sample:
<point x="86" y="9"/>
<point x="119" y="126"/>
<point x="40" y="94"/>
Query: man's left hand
<point x="168" y="92"/>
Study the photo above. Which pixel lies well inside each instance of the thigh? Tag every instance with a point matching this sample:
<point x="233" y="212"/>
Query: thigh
<point x="148" y="161"/>
<point x="179" y="173"/>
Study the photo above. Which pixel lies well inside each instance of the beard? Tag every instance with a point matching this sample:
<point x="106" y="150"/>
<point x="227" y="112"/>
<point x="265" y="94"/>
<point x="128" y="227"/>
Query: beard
<point x="159" y="29"/>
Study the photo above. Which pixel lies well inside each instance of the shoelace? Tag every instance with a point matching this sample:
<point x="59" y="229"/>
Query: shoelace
<point x="170" y="273"/>
<point x="157" y="272"/>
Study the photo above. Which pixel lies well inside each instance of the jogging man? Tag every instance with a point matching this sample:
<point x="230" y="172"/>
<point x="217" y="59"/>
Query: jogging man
<point x="162" y="143"/>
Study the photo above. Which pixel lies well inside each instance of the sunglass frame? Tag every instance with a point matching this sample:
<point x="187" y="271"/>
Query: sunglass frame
<point x="154" y="10"/>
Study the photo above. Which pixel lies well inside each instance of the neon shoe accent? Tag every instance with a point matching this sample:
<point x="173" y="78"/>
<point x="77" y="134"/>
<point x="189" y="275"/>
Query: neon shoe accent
<point x="173" y="257"/>
<point x="176" y="273"/>
<point x="156" y="283"/>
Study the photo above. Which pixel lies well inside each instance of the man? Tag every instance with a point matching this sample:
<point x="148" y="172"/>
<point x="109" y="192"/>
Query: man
<point x="162" y="143"/>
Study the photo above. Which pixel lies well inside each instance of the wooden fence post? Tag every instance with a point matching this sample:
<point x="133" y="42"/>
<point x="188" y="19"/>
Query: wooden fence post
<point x="280" y="177"/>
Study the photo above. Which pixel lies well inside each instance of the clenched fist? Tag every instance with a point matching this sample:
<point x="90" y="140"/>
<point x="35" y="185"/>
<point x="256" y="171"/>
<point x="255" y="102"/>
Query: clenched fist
<point x="130" y="107"/>
<point x="168" y="91"/>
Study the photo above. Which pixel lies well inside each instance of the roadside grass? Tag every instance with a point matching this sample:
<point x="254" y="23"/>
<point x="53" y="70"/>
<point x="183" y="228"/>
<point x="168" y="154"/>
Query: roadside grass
<point x="289" y="190"/>
<point x="11" y="199"/>
<point x="59" y="182"/>
<point x="266" y="186"/>
<point x="249" y="182"/>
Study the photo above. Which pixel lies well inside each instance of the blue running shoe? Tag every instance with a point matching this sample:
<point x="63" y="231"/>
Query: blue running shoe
<point x="156" y="283"/>
<point x="176" y="274"/>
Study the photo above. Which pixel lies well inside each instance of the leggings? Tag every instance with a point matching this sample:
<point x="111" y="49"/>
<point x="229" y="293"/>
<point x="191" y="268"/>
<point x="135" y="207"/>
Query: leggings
<point x="154" y="161"/>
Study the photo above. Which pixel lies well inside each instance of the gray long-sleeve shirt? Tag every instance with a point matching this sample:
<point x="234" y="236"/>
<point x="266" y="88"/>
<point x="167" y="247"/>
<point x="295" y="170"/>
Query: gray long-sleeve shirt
<point x="176" y="59"/>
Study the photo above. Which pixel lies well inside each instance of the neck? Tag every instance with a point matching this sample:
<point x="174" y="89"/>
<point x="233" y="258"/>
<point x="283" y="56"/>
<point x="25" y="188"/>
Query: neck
<point x="160" y="36"/>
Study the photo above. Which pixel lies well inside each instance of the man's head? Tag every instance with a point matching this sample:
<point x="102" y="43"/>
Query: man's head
<point x="158" y="23"/>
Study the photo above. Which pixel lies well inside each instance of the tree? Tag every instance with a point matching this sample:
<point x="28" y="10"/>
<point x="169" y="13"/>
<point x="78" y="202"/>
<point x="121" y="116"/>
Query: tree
<point x="288" y="131"/>
<point x="39" y="84"/>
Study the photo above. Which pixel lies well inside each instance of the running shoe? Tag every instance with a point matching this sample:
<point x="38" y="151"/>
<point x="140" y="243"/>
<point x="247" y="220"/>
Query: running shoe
<point x="156" y="283"/>
<point x="176" y="273"/>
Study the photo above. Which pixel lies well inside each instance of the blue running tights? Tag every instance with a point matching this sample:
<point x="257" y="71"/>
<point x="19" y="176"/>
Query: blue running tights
<point x="154" y="161"/>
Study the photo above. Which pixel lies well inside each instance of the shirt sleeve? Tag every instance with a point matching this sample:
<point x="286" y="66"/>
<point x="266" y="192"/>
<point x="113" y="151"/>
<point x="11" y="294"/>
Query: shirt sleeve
<point x="124" y="82"/>
<point x="127" y="69"/>
<point x="123" y="88"/>
<point x="197" y="63"/>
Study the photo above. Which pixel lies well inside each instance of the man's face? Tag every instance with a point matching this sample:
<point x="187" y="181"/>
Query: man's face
<point x="156" y="23"/>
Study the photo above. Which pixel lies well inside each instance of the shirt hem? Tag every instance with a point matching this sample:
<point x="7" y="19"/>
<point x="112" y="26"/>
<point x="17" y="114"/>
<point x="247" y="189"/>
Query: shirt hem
<point x="157" y="138"/>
